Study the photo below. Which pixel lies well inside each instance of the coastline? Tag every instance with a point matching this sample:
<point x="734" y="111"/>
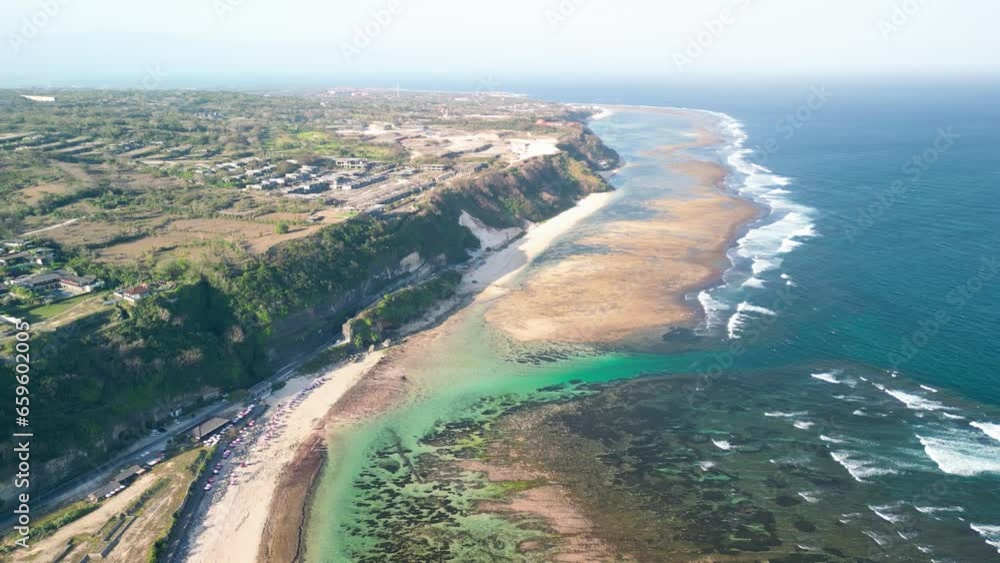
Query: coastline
<point x="269" y="527"/>
<point x="233" y="526"/>
<point x="595" y="296"/>
<point x="491" y="283"/>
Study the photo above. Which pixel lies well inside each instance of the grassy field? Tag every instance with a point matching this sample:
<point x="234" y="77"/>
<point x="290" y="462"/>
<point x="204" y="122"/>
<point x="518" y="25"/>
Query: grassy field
<point x="52" y="312"/>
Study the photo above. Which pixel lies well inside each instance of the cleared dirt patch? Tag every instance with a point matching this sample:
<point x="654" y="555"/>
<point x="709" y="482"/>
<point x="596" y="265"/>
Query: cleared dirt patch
<point x="146" y="524"/>
<point x="34" y="194"/>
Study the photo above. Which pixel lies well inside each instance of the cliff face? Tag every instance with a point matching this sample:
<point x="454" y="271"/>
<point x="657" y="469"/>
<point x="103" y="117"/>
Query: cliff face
<point x="588" y="147"/>
<point x="231" y="331"/>
<point x="533" y="190"/>
<point x="321" y="323"/>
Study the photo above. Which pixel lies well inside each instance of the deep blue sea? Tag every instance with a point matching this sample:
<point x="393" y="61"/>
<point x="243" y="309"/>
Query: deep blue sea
<point x="840" y="399"/>
<point x="902" y="189"/>
<point x="864" y="307"/>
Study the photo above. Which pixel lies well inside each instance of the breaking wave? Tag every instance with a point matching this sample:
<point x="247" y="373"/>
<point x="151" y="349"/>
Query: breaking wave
<point x="785" y="226"/>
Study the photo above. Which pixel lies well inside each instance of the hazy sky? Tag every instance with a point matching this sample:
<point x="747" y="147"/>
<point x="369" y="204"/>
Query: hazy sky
<point x="547" y="37"/>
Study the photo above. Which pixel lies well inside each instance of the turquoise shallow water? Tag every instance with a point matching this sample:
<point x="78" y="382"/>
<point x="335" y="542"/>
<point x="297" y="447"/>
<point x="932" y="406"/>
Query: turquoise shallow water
<point x="840" y="397"/>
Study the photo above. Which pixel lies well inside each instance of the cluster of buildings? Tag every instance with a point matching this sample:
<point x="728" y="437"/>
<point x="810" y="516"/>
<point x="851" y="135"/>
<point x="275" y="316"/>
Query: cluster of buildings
<point x="30" y="267"/>
<point x="347" y="174"/>
<point x="311" y="182"/>
<point x="16" y="253"/>
<point x="24" y="266"/>
<point x="134" y="294"/>
<point x="120" y="482"/>
<point x="58" y="280"/>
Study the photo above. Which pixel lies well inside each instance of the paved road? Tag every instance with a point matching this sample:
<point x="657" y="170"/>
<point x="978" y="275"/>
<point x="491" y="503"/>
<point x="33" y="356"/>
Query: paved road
<point x="42" y="230"/>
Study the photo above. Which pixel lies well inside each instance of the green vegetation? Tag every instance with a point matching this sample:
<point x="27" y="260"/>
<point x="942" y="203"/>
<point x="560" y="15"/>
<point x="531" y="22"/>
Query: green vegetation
<point x="153" y="490"/>
<point x="330" y="144"/>
<point x="397" y="309"/>
<point x="330" y="356"/>
<point x="52" y="310"/>
<point x="588" y="148"/>
<point x="214" y="331"/>
<point x="104" y="378"/>
<point x="50" y="523"/>
<point x="197" y="465"/>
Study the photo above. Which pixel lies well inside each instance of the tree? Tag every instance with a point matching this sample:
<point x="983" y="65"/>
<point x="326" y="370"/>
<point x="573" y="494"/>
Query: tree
<point x="281" y="228"/>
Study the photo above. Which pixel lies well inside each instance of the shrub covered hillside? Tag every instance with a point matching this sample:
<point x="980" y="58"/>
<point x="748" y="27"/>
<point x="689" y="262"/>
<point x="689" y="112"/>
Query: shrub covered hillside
<point x="103" y="381"/>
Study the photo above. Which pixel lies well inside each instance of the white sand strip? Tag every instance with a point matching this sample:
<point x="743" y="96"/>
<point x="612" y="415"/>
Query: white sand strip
<point x="233" y="526"/>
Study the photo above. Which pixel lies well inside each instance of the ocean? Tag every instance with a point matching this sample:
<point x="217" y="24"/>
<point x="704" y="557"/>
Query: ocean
<point x="838" y="401"/>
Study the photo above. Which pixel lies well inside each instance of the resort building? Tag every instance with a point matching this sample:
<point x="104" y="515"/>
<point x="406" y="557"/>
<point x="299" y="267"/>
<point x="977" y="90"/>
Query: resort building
<point x="59" y="279"/>
<point x="134" y="294"/>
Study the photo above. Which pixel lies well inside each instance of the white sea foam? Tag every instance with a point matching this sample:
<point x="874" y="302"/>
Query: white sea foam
<point x="991" y="430"/>
<point x="936" y="509"/>
<point x="742" y="315"/>
<point x="764" y="246"/>
<point x="706" y="465"/>
<point x="812" y="497"/>
<point x="926" y="388"/>
<point x="850" y="398"/>
<point x="713" y="309"/>
<point x="990" y="533"/>
<point x="832" y="440"/>
<point x="880" y="540"/>
<point x="952" y="416"/>
<point x="779" y="414"/>
<point x="722" y="444"/>
<point x="963" y="454"/>
<point x="916" y="402"/>
<point x="885" y="512"/>
<point x="830" y="377"/>
<point x="859" y="467"/>
<point x="803" y="425"/>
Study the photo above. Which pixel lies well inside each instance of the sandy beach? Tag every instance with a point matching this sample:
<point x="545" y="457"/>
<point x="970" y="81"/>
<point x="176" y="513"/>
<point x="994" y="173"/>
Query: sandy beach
<point x="492" y="278"/>
<point x="249" y="522"/>
<point x="633" y="287"/>
<point x="234" y="525"/>
<point x="630" y="281"/>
